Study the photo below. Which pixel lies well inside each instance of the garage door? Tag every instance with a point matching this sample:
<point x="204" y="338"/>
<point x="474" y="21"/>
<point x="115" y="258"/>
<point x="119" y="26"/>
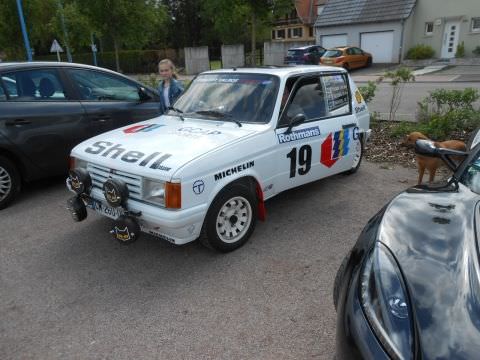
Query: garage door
<point x="330" y="41"/>
<point x="380" y="45"/>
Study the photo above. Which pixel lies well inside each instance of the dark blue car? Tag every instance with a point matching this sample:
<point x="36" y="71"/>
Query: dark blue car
<point x="305" y="55"/>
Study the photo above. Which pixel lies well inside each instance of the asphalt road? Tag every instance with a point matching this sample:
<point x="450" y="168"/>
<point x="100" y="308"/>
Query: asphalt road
<point x="69" y="291"/>
<point x="412" y="94"/>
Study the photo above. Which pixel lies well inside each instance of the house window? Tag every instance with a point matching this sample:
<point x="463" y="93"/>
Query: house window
<point x="429" y="28"/>
<point x="310" y="31"/>
<point x="297" y="32"/>
<point x="281" y="34"/>
<point x="476" y="24"/>
<point x="289" y="33"/>
<point x="273" y="34"/>
<point x="320" y="9"/>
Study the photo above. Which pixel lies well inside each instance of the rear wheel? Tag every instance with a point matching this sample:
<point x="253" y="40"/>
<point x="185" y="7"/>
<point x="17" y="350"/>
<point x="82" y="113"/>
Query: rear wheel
<point x="369" y="62"/>
<point x="231" y="219"/>
<point x="357" y="157"/>
<point x="9" y="182"/>
<point x="346" y="66"/>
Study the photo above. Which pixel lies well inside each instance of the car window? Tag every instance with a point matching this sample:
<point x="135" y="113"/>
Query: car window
<point x="332" y="53"/>
<point x="294" y="52"/>
<point x="318" y="98"/>
<point x="239" y="96"/>
<point x="350" y="52"/>
<point x="34" y="85"/>
<point x="471" y="178"/>
<point x="98" y="86"/>
<point x="357" y="51"/>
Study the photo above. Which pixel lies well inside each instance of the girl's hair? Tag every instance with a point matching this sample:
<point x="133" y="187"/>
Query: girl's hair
<point x="172" y="66"/>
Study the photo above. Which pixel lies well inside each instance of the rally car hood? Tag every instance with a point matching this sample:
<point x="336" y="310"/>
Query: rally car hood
<point x="158" y="147"/>
<point x="433" y="237"/>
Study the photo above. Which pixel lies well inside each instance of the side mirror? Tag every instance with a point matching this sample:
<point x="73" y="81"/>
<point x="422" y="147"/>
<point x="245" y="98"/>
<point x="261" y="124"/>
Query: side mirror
<point x="296" y="120"/>
<point x="143" y="94"/>
<point x="428" y="148"/>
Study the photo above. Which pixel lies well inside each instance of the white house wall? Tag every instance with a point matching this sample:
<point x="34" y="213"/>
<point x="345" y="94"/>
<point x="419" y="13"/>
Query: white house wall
<point x="353" y="34"/>
<point x="439" y="12"/>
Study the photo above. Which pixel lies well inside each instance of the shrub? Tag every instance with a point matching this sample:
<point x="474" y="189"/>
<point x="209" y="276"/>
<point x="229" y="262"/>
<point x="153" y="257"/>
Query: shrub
<point x="368" y="91"/>
<point x="460" y="50"/>
<point x="420" y="52"/>
<point x="442" y="101"/>
<point x="476" y="51"/>
<point x="397" y="79"/>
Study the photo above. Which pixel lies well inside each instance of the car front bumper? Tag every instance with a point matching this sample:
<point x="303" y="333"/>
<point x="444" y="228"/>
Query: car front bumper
<point x="176" y="226"/>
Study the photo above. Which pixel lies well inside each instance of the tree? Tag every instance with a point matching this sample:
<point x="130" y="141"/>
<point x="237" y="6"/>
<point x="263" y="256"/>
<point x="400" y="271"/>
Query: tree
<point x="38" y="14"/>
<point x="237" y="17"/>
<point x="398" y="79"/>
<point x="126" y="22"/>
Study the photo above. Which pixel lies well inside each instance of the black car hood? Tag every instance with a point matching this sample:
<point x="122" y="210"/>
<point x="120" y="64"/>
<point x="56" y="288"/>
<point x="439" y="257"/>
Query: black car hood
<point x="433" y="237"/>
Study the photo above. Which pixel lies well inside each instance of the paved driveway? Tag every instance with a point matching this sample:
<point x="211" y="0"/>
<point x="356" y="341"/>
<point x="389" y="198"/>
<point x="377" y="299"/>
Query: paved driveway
<point x="67" y="290"/>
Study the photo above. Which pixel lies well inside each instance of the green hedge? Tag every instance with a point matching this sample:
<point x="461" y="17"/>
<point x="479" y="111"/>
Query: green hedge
<point x="131" y="61"/>
<point x="420" y="52"/>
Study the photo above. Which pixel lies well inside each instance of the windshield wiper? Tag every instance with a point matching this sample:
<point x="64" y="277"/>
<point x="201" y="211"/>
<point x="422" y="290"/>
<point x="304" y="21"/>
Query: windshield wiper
<point x="178" y="112"/>
<point x="219" y="114"/>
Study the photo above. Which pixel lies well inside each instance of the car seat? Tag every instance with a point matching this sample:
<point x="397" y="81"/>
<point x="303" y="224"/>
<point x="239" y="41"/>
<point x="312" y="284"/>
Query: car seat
<point x="46" y="88"/>
<point x="28" y="87"/>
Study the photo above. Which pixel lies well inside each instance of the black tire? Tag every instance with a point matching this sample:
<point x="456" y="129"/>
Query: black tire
<point x="240" y="196"/>
<point x="346" y="66"/>
<point x="358" y="161"/>
<point x="10" y="182"/>
<point x="369" y="62"/>
<point x="338" y="279"/>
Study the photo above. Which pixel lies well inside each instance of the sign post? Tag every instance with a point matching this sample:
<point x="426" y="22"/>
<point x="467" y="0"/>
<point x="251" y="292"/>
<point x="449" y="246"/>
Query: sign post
<point x="94" y="50"/>
<point x="24" y="30"/>
<point x="56" y="48"/>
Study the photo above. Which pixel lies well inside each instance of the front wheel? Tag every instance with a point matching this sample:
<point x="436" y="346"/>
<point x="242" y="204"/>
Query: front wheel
<point x="9" y="182"/>
<point x="357" y="157"/>
<point x="231" y="219"/>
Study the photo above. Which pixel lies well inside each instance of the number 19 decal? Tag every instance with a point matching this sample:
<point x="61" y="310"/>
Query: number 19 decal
<point x="304" y="160"/>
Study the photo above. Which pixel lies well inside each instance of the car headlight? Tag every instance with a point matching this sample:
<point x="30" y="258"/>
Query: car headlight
<point x="385" y="302"/>
<point x="154" y="191"/>
<point x="77" y="163"/>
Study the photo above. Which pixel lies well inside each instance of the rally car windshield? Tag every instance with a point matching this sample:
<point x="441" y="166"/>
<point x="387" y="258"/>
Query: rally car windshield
<point x="244" y="98"/>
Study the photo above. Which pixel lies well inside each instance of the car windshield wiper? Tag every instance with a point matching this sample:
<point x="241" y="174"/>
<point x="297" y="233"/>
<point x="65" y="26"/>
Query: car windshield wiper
<point x="219" y="115"/>
<point x="178" y="112"/>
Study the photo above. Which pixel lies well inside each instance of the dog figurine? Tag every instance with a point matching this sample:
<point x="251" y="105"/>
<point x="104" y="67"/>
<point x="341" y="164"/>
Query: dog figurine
<point x="431" y="163"/>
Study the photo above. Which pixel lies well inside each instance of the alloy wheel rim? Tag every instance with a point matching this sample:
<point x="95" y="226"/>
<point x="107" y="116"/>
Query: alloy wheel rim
<point x="358" y="154"/>
<point x="234" y="219"/>
<point x="5" y="183"/>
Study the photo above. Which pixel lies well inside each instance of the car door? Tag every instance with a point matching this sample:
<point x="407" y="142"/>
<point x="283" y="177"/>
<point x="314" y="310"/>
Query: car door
<point x="112" y="101"/>
<point x="322" y="144"/>
<point x="41" y="118"/>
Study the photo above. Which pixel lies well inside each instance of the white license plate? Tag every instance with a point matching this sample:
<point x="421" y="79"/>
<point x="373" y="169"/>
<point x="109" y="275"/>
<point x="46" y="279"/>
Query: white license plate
<point x="104" y="209"/>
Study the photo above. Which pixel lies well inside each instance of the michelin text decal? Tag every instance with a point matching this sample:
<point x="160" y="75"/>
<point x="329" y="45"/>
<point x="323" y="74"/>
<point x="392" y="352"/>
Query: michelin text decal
<point x="234" y="170"/>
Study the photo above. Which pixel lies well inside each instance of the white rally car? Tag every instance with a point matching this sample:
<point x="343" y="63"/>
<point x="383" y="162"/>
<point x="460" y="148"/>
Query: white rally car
<point x="234" y="139"/>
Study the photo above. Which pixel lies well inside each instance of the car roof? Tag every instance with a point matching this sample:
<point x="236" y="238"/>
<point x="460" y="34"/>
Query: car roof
<point x="304" y="47"/>
<point x="45" y="64"/>
<point x="281" y="71"/>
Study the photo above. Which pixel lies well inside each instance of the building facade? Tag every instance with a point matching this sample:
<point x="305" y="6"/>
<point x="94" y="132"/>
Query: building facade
<point x="299" y="24"/>
<point x="444" y="24"/>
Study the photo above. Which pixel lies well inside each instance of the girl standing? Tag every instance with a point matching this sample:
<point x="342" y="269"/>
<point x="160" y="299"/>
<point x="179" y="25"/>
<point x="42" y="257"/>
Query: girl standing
<point x="169" y="88"/>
